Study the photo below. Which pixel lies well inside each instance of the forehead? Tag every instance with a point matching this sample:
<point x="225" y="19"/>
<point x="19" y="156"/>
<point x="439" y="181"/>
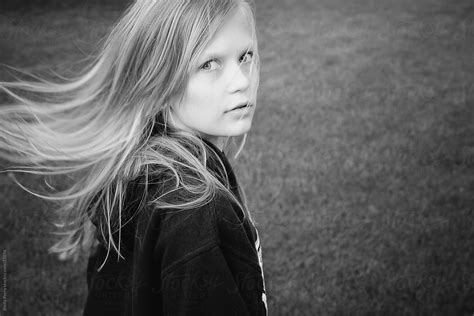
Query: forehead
<point x="236" y="32"/>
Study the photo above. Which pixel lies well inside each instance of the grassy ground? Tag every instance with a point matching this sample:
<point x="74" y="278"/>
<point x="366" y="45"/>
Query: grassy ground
<point x="359" y="168"/>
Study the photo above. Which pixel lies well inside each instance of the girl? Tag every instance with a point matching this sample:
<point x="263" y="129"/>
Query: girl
<point x="143" y="132"/>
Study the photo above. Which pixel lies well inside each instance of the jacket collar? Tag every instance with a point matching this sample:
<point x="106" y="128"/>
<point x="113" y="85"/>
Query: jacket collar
<point x="215" y="166"/>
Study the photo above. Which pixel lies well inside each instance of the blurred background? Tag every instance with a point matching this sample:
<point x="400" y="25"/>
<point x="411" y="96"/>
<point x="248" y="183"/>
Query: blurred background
<point x="358" y="168"/>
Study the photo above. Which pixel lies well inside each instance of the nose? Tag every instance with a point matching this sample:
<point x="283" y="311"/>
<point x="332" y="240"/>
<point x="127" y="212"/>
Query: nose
<point x="239" y="78"/>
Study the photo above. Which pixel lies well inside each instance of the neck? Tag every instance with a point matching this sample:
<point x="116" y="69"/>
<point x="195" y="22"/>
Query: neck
<point x="217" y="141"/>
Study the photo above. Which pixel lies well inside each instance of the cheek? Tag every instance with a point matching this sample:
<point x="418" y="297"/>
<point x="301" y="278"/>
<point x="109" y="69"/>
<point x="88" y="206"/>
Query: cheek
<point x="199" y="92"/>
<point x="200" y="104"/>
<point x="255" y="78"/>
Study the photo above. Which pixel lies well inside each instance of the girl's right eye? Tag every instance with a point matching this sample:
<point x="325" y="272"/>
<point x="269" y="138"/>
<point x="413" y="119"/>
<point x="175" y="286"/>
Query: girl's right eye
<point x="209" y="65"/>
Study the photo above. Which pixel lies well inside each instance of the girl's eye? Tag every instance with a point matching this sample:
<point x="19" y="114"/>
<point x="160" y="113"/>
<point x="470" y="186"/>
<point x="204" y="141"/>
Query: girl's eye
<point x="209" y="65"/>
<point x="247" y="57"/>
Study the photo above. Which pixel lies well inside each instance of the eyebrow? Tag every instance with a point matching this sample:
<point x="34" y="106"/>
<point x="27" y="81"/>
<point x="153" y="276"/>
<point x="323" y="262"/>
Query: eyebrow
<point x="210" y="56"/>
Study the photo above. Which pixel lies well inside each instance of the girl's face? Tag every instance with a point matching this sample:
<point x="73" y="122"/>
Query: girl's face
<point x="219" y="99"/>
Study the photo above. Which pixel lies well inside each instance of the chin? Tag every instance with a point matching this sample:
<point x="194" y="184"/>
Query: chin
<point x="241" y="130"/>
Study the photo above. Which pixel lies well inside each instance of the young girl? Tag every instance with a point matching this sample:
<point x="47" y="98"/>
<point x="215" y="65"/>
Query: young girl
<point x="143" y="132"/>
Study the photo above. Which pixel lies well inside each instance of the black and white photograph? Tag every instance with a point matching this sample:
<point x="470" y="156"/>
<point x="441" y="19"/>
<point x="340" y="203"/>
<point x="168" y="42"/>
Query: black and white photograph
<point x="237" y="157"/>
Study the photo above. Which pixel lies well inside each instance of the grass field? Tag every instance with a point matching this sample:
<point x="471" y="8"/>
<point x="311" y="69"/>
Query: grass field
<point x="359" y="167"/>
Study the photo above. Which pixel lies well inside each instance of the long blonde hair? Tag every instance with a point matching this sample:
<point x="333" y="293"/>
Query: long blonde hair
<point x="109" y="125"/>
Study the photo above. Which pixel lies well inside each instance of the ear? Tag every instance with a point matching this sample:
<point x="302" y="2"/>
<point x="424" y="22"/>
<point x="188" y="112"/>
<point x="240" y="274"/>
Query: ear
<point x="168" y="117"/>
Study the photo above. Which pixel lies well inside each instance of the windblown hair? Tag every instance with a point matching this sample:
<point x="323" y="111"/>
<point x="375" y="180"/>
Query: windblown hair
<point x="111" y="123"/>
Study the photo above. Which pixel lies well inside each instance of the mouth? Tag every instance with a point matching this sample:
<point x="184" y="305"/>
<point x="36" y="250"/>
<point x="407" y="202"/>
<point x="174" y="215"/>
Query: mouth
<point x="241" y="106"/>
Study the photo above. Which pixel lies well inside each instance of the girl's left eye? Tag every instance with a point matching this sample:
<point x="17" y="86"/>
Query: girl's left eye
<point x="247" y="57"/>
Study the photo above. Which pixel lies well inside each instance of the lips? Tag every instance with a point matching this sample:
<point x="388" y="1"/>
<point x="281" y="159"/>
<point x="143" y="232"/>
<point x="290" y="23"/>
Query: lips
<point x="241" y="106"/>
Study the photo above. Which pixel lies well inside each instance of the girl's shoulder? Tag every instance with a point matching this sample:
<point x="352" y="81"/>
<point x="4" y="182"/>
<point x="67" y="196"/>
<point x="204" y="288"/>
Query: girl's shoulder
<point x="203" y="222"/>
<point x="219" y="210"/>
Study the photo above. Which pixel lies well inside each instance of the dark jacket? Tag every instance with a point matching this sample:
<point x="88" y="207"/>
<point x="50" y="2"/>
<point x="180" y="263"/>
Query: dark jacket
<point x="195" y="262"/>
